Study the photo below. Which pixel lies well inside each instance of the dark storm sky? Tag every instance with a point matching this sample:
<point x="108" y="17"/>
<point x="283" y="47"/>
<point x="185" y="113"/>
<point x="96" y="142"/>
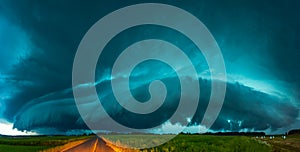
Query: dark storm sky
<point x="259" y="41"/>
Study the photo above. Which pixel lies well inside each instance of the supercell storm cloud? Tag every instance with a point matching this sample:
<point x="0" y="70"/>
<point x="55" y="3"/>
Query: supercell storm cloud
<point x="259" y="42"/>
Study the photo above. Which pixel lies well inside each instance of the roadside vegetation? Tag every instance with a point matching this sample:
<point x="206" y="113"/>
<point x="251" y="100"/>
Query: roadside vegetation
<point x="35" y="143"/>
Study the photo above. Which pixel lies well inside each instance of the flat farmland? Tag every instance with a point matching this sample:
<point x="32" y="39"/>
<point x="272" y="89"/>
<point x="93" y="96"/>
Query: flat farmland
<point x="182" y="143"/>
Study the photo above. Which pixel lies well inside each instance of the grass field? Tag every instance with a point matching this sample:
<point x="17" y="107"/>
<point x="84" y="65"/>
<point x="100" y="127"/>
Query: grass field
<point x="208" y="143"/>
<point x="137" y="141"/>
<point x="192" y="143"/>
<point x="33" y="144"/>
<point x="19" y="148"/>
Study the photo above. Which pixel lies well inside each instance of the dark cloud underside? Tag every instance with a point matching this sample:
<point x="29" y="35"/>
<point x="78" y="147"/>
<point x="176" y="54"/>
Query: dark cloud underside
<point x="259" y="41"/>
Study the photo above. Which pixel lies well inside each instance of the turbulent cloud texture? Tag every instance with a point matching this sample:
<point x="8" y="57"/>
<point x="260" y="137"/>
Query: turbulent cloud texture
<point x="259" y="41"/>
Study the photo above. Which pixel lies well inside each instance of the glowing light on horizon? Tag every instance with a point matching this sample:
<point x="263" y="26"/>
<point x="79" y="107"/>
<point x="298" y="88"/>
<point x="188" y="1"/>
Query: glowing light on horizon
<point x="7" y="129"/>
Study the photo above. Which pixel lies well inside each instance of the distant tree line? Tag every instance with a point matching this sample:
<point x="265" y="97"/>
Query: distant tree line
<point x="295" y="131"/>
<point x="230" y="133"/>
